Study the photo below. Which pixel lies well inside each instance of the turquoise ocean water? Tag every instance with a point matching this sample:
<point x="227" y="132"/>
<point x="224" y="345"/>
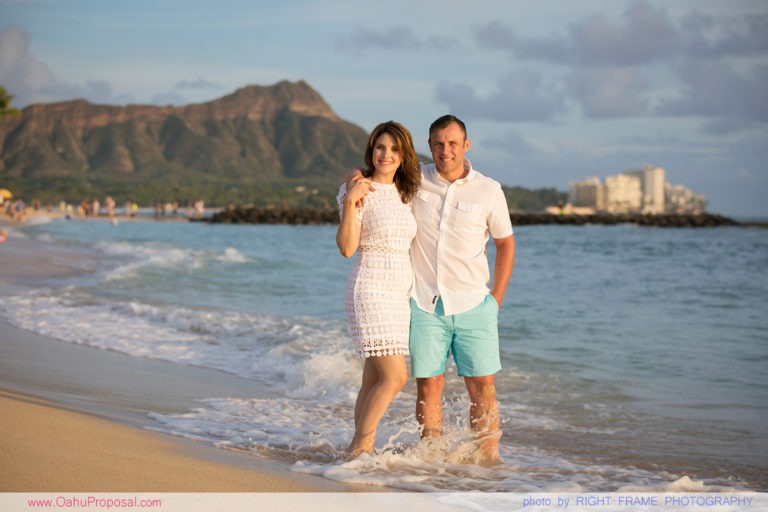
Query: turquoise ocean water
<point x="635" y="359"/>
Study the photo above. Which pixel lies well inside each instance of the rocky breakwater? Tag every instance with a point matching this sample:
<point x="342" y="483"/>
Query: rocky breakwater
<point x="265" y="215"/>
<point x="700" y="220"/>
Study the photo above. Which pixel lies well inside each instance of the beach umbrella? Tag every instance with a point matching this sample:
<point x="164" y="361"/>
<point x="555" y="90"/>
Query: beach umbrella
<point x="5" y="193"/>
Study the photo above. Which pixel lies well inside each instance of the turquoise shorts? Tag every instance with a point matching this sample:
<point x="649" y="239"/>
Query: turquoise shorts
<point x="472" y="337"/>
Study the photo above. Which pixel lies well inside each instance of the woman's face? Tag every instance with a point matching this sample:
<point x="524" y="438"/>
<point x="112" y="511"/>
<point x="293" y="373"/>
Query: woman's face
<point x="386" y="155"/>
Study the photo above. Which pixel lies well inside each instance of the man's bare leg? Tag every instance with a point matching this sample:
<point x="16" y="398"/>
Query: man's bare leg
<point x="429" y="407"/>
<point x="484" y="416"/>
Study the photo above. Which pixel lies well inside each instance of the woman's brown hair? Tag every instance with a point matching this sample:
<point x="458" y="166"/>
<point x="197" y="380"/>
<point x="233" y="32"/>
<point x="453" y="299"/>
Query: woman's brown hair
<point x="408" y="176"/>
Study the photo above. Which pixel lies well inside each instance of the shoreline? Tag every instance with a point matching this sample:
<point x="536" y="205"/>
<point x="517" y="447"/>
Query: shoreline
<point x="50" y="447"/>
<point x="76" y="418"/>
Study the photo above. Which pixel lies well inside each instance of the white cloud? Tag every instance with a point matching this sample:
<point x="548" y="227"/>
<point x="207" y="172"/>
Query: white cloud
<point x="614" y="92"/>
<point x="21" y="73"/>
<point x="715" y="90"/>
<point x="647" y="36"/>
<point x="398" y="37"/>
<point x="395" y="38"/>
<point x="199" y="83"/>
<point x="521" y="95"/>
<point x="709" y="37"/>
<point x="30" y="81"/>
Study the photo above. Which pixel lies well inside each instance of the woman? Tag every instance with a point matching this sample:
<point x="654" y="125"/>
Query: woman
<point x="376" y="221"/>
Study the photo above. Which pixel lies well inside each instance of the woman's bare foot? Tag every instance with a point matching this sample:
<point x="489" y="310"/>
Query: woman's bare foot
<point x="360" y="446"/>
<point x="350" y="454"/>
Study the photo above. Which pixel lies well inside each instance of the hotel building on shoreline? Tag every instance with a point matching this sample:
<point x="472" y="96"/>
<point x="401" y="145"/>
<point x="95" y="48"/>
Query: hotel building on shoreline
<point x="634" y="191"/>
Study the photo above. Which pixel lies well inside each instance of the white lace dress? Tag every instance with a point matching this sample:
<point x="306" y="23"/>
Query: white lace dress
<point x="379" y="285"/>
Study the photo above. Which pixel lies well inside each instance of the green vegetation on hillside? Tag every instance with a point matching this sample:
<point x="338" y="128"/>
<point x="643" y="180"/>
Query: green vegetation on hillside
<point x="523" y="199"/>
<point x="6" y="109"/>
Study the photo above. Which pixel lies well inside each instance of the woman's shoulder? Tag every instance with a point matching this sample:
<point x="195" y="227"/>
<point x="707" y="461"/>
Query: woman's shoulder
<point x="341" y="194"/>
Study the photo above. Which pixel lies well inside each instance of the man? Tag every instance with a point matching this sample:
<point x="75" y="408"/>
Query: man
<point x="452" y="309"/>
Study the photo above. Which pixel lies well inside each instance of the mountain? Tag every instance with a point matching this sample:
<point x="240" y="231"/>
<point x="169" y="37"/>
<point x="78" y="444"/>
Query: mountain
<point x="280" y="144"/>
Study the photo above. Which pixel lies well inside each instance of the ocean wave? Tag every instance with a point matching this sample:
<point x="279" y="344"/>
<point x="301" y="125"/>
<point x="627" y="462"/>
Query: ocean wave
<point x="137" y="257"/>
<point x="267" y="348"/>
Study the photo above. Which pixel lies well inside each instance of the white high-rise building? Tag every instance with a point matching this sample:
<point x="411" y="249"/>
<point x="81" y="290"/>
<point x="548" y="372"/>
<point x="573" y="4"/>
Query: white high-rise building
<point x="681" y="200"/>
<point x="623" y="193"/>
<point x="653" y="189"/>
<point x="589" y="193"/>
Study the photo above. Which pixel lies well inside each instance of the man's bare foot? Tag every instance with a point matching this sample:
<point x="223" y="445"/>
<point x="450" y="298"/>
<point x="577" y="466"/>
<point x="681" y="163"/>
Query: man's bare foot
<point x="487" y="453"/>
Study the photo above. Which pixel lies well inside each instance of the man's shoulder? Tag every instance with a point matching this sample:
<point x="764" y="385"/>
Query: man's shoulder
<point x="483" y="180"/>
<point x="428" y="172"/>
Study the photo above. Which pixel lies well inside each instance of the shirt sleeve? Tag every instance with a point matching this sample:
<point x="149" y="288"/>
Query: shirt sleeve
<point x="499" y="222"/>
<point x="340" y="200"/>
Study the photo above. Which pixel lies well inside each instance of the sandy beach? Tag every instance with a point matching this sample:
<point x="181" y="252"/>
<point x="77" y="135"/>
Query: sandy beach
<point x="49" y="447"/>
<point x="74" y="418"/>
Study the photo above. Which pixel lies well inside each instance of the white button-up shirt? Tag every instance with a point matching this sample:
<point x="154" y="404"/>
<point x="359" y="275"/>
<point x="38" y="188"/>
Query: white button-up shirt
<point x="454" y="222"/>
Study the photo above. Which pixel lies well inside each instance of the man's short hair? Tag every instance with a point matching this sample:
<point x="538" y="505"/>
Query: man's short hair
<point x="443" y="121"/>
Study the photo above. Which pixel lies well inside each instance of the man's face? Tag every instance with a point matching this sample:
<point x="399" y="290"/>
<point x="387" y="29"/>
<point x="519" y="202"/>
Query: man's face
<point x="448" y="146"/>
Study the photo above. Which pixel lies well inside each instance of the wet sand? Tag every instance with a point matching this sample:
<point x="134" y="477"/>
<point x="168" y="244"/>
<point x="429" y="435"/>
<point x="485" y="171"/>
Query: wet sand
<point x="49" y="447"/>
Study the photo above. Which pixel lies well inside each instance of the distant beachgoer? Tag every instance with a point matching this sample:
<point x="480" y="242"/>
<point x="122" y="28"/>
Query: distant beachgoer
<point x="379" y="285"/>
<point x="109" y="204"/>
<point x="19" y="211"/>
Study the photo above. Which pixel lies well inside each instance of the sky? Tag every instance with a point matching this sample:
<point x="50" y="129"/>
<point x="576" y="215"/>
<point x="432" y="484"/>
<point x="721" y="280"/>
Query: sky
<point x="551" y="91"/>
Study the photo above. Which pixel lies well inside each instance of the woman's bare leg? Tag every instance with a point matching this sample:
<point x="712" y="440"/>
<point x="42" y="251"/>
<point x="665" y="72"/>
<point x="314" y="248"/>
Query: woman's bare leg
<point x="392" y="375"/>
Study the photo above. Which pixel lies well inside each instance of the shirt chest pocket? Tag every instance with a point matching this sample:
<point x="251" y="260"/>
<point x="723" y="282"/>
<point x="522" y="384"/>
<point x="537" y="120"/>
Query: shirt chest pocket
<point x="470" y="218"/>
<point x="426" y="205"/>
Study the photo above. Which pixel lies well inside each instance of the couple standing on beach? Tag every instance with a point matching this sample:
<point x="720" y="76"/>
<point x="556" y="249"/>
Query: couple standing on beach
<point x="420" y="283"/>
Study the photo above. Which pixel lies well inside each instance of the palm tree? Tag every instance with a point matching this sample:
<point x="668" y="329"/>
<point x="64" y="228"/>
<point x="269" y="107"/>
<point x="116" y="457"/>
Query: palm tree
<point x="5" y="104"/>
